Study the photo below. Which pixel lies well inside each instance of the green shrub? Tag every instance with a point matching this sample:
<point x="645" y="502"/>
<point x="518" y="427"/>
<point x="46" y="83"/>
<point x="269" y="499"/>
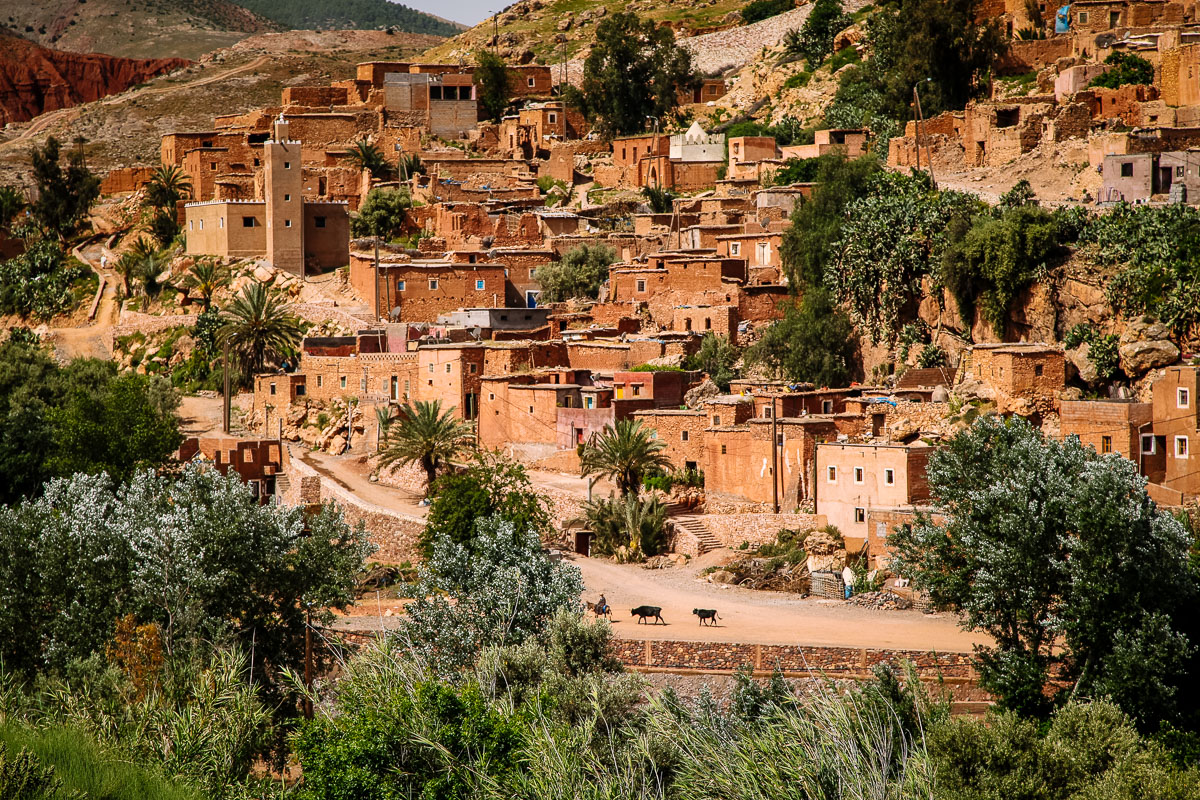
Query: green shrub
<point x="1124" y="68"/>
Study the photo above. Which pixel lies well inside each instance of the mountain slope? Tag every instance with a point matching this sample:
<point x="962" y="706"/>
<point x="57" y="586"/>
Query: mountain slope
<point x="350" y="14"/>
<point x="133" y="28"/>
<point x="35" y="79"/>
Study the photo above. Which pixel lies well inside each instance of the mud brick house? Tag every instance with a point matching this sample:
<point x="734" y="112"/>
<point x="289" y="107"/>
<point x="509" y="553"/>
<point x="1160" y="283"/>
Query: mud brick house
<point x="1172" y="444"/>
<point x="681" y="430"/>
<point x="258" y="462"/>
<point x="851" y="142"/>
<point x="764" y="262"/>
<point x="490" y="321"/>
<point x="747" y="152"/>
<point x="442" y="104"/>
<point x="739" y="467"/>
<point x="854" y="479"/>
<point x="1111" y="426"/>
<point x="665" y="388"/>
<point x="450" y="374"/>
<point x="686" y="162"/>
<point x="1134" y="177"/>
<point x="720" y="320"/>
<point x="373" y="378"/>
<point x="403" y="289"/>
<point x="290" y="232"/>
<point x="1021" y="378"/>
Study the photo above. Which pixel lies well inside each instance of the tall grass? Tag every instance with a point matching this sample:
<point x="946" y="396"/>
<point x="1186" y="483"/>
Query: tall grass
<point x="85" y="769"/>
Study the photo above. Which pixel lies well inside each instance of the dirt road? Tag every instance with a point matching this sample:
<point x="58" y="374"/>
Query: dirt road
<point x="754" y="617"/>
<point x="93" y="340"/>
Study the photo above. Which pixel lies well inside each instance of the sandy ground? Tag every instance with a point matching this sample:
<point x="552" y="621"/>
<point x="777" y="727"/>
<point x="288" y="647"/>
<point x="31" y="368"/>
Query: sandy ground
<point x="91" y="339"/>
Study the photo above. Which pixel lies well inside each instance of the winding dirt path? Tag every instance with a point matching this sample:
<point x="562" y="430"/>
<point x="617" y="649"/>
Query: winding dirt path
<point x="93" y="340"/>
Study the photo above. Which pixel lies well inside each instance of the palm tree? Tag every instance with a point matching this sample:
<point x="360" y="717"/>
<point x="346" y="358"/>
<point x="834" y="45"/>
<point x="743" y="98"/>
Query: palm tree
<point x="631" y="529"/>
<point x="167" y="186"/>
<point x="410" y="164"/>
<point x="365" y="155"/>
<point x="206" y="276"/>
<point x="426" y="435"/>
<point x="145" y="262"/>
<point x="624" y="454"/>
<point x="259" y="325"/>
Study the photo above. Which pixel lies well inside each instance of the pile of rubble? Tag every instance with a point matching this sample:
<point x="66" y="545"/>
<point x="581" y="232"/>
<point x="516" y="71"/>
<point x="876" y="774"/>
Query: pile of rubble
<point x="882" y="600"/>
<point x="665" y="561"/>
<point x="764" y="574"/>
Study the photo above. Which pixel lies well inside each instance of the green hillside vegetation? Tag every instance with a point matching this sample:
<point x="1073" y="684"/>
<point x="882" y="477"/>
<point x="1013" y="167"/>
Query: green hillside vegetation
<point x="350" y="14"/>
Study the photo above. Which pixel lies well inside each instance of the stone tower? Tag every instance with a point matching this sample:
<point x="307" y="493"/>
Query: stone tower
<point x="282" y="186"/>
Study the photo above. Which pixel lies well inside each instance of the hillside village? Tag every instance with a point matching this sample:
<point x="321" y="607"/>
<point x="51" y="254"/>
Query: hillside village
<point x="868" y="356"/>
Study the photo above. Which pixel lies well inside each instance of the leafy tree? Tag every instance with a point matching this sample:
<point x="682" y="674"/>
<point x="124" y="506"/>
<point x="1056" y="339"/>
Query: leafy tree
<point x="717" y="357"/>
<point x="624" y="453"/>
<point x="383" y="214"/>
<point x="932" y="356"/>
<point x="1021" y="194"/>
<point x="997" y="257"/>
<point x="259" y="327"/>
<point x="757" y="10"/>
<point x="1124" y="68"/>
<point x="943" y="46"/>
<point x="795" y="170"/>
<point x="64" y="197"/>
<point x="813" y="343"/>
<point x="491" y="80"/>
<point x="128" y="423"/>
<point x="12" y="205"/>
<point x="1060" y="557"/>
<point x="890" y="241"/>
<point x="501" y="590"/>
<point x="424" y="434"/>
<point x="808" y="245"/>
<point x="578" y="274"/>
<point x="634" y="71"/>
<point x="367" y="156"/>
<point x="491" y="486"/>
<point x="629" y="528"/>
<point x="815" y="39"/>
<point x="206" y="276"/>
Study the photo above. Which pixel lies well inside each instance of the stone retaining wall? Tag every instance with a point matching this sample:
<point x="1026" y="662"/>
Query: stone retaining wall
<point x="735" y="529"/>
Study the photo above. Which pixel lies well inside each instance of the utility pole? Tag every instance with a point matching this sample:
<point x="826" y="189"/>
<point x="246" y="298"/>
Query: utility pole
<point x="225" y="409"/>
<point x="774" y="455"/>
<point x="920" y="130"/>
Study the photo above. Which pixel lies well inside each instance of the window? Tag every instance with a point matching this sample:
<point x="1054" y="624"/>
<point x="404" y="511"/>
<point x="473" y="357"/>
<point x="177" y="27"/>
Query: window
<point x="767" y="410"/>
<point x="301" y="390"/>
<point x="287" y="223"/>
<point x="1148" y="444"/>
<point x="889" y="477"/>
<point x="832" y="475"/>
<point x="318" y="222"/>
<point x="1105" y="444"/>
<point x="723" y="450"/>
<point x="531" y="409"/>
<point x="433" y="283"/>
<point x="400" y="286"/>
<point x="860" y="515"/>
<point x="826" y="406"/>
<point x="529" y="82"/>
<point x="472" y="368"/>
<point x="320" y="381"/>
<point x="448" y="369"/>
<point x="201" y="224"/>
<point x="343" y="381"/>
<point x="287" y="198"/>
<point x="707" y="324"/>
<point x="1038" y="370"/>
<point x="716" y="422"/>
<point x="735" y="248"/>
<point x="431" y="369"/>
<point x="683" y="436"/>
<point x="858" y="474"/>
<point x="272" y="388"/>
<point x="1181" y="447"/>
<point x="221" y="222"/>
<point x="637" y="389"/>
<point x="247" y="222"/>
<point x="479" y="285"/>
<point x="1179" y="172"/>
<point x="1126" y="166"/>
<point x="212" y="165"/>
<point x="249" y="456"/>
<point x="1083" y="17"/>
<point x="1182" y="398"/>
<point x="191" y="224"/>
<point x="641" y="285"/>
<point x="553" y="118"/>
<point x="287" y="165"/>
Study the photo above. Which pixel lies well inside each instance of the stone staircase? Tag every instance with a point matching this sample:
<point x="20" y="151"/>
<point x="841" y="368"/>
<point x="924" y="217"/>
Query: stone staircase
<point x="695" y="526"/>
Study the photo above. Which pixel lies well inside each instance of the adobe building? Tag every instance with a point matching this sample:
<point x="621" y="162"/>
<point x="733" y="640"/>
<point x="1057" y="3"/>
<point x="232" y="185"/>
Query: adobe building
<point x="1175" y="439"/>
<point x="854" y="479"/>
<point x="258" y="462"/>
<point x="443" y="104"/>
<point x="407" y="290"/>
<point x="1021" y="378"/>
<point x="291" y="233"/>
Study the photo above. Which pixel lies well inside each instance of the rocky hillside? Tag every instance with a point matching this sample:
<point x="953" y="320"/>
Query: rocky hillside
<point x="35" y="79"/>
<point x="134" y="28"/>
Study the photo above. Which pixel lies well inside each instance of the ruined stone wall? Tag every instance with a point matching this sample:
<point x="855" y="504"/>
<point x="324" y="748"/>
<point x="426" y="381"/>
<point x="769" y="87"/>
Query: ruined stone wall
<point x="735" y="530"/>
<point x="1033" y="55"/>
<point x="125" y="179"/>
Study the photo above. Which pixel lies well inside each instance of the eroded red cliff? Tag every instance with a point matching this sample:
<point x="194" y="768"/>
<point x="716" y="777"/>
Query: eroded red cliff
<point x="35" y="79"/>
